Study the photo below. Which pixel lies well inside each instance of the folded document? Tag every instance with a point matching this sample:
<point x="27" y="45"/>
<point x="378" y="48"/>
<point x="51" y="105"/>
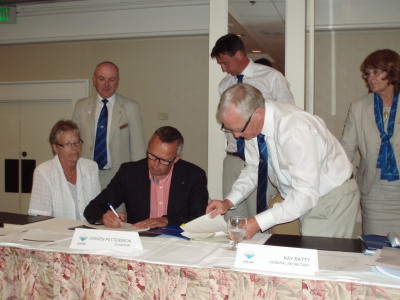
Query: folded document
<point x="204" y="227"/>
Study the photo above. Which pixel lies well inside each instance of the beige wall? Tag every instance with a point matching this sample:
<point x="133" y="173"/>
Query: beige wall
<point x="345" y="50"/>
<point x="168" y="75"/>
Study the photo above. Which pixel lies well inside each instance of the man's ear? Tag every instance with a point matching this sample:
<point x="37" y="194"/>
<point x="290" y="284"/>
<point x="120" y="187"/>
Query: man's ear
<point x="178" y="158"/>
<point x="54" y="148"/>
<point x="238" y="54"/>
<point x="260" y="110"/>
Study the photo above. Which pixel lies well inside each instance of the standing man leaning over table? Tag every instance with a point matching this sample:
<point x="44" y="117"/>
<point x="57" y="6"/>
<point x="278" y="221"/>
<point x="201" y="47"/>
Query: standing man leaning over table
<point x="304" y="161"/>
<point x="158" y="191"/>
<point x="230" y="54"/>
<point x="110" y="124"/>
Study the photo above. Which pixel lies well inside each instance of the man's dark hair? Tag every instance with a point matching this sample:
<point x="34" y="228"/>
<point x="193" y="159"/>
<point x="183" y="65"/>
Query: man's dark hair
<point x="228" y="44"/>
<point x="263" y="61"/>
<point x="168" y="134"/>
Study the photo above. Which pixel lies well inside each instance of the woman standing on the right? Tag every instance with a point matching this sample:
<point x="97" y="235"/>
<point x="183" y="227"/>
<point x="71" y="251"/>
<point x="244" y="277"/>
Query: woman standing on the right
<point x="373" y="128"/>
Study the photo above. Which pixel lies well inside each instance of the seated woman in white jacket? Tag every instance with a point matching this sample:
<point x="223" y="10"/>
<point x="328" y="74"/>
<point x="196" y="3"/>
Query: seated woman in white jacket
<point x="64" y="186"/>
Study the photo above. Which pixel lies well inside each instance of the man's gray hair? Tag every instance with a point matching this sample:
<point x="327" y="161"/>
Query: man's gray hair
<point x="244" y="97"/>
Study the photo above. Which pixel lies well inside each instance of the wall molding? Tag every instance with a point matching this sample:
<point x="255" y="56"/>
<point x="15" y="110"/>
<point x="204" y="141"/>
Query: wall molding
<point x="44" y="91"/>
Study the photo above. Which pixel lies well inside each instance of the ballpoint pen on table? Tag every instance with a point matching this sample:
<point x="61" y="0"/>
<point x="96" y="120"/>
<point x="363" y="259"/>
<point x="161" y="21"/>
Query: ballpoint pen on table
<point x="113" y="210"/>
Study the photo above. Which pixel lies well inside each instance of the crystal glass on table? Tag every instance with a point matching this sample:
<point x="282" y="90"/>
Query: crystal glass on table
<point x="237" y="226"/>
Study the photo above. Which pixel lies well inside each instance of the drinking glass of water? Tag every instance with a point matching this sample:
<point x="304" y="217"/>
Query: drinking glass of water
<point x="237" y="226"/>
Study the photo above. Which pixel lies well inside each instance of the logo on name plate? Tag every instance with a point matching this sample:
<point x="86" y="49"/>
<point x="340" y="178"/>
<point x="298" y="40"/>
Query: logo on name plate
<point x="249" y="254"/>
<point x="83" y="237"/>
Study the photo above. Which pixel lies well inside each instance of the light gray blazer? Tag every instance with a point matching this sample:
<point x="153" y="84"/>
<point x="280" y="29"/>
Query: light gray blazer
<point x="126" y="132"/>
<point x="361" y="133"/>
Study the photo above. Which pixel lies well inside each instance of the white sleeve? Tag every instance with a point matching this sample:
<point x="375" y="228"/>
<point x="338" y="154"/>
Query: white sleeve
<point x="247" y="180"/>
<point x="41" y="196"/>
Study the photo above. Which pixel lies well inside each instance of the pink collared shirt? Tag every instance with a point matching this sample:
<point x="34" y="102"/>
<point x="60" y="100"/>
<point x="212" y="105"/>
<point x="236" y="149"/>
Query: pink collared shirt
<point x="159" y="194"/>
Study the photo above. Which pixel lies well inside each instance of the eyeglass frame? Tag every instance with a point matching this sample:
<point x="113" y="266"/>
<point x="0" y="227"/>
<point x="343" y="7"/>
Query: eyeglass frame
<point x="237" y="131"/>
<point x="162" y="161"/>
<point x="375" y="72"/>
<point x="69" y="145"/>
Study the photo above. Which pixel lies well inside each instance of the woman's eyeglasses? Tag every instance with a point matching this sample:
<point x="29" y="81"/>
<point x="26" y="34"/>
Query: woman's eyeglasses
<point x="376" y="72"/>
<point x="69" y="145"/>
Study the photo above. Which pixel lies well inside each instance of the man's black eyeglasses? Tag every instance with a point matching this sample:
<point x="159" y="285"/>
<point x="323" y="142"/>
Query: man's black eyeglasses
<point x="238" y="131"/>
<point x="162" y="161"/>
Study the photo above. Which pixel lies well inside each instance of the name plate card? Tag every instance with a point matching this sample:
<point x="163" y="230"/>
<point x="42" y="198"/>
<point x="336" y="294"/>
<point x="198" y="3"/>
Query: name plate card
<point x="115" y="241"/>
<point x="276" y="259"/>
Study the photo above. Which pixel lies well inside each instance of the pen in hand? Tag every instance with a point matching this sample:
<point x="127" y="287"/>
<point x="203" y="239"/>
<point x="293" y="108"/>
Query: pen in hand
<point x="113" y="210"/>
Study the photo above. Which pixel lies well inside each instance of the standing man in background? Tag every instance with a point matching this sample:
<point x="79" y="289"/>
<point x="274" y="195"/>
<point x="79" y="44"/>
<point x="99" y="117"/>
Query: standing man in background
<point x="230" y="54"/>
<point x="111" y="124"/>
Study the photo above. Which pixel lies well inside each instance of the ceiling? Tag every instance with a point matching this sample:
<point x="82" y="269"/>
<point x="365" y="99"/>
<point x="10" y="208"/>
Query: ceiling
<point x="262" y="22"/>
<point x="24" y="2"/>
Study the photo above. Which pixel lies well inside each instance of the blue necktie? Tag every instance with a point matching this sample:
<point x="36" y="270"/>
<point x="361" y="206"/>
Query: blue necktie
<point x="262" y="185"/>
<point x="262" y="174"/>
<point x="100" y="147"/>
<point x="240" y="141"/>
<point x="240" y="147"/>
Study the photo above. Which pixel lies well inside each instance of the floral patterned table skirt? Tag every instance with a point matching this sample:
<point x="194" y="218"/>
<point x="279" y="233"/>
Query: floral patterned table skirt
<point x="33" y="274"/>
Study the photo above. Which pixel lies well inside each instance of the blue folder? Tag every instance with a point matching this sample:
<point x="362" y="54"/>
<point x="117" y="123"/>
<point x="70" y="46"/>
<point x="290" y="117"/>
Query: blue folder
<point x="374" y="242"/>
<point x="173" y="230"/>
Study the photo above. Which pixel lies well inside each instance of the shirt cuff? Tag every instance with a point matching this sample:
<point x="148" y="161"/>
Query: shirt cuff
<point x="235" y="197"/>
<point x="265" y="220"/>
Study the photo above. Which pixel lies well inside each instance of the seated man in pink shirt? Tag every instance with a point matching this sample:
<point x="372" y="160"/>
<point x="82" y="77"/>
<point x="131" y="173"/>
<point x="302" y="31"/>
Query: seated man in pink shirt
<point x="159" y="190"/>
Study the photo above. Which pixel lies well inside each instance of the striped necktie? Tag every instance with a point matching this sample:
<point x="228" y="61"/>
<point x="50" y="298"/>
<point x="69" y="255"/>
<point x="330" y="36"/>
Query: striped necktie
<point x="262" y="174"/>
<point x="100" y="148"/>
<point x="262" y="185"/>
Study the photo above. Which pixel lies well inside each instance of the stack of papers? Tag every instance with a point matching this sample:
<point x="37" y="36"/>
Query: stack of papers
<point x="387" y="261"/>
<point x="205" y="227"/>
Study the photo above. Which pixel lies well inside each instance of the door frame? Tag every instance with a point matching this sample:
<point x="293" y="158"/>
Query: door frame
<point x="40" y="90"/>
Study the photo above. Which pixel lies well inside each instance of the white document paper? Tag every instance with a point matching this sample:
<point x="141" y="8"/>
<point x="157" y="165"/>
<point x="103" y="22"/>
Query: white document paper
<point x="40" y="236"/>
<point x="103" y="240"/>
<point x="124" y="227"/>
<point x="276" y="259"/>
<point x="205" y="227"/>
<point x="387" y="257"/>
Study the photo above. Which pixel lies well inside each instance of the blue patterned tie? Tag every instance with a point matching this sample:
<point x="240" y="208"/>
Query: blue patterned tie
<point x="262" y="174"/>
<point x="240" y="147"/>
<point x="386" y="159"/>
<point x="100" y="147"/>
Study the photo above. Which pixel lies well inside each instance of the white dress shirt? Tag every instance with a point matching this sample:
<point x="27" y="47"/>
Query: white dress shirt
<point x="51" y="194"/>
<point x="271" y="83"/>
<point x="305" y="162"/>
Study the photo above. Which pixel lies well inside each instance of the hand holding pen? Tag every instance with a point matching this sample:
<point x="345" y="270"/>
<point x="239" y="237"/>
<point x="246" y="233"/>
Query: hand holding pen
<point x="112" y="218"/>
